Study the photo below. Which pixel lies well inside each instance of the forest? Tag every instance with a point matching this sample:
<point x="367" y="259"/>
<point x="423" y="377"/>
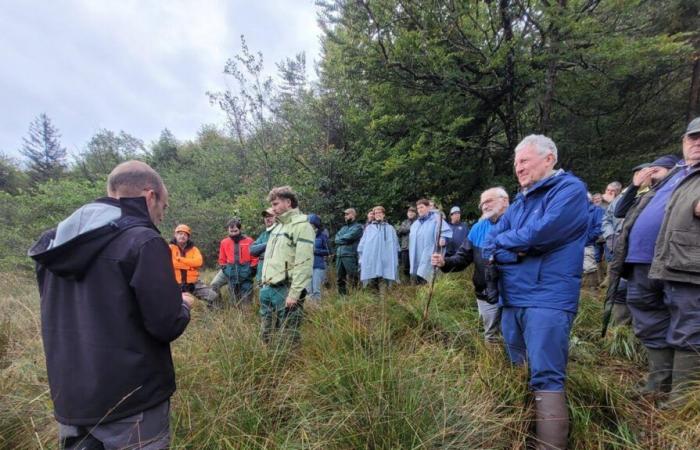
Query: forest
<point x="410" y="99"/>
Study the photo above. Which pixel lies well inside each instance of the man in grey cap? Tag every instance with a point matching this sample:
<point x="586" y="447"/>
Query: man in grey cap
<point x="657" y="252"/>
<point x="460" y="230"/>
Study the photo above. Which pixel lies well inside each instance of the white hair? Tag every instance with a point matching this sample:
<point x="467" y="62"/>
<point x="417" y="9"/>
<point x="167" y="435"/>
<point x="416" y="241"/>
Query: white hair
<point x="541" y="143"/>
<point x="498" y="190"/>
<point x="615" y="185"/>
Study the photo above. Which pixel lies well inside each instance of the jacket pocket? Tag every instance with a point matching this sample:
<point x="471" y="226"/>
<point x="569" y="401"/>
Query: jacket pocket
<point x="684" y="251"/>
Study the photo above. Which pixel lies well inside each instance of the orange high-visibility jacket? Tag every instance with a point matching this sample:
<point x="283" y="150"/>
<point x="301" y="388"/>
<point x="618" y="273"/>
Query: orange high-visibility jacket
<point x="186" y="262"/>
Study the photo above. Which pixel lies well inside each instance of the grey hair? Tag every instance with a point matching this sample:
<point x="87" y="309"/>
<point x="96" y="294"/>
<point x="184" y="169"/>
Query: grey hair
<point x="542" y="144"/>
<point x="498" y="190"/>
<point x="615" y="185"/>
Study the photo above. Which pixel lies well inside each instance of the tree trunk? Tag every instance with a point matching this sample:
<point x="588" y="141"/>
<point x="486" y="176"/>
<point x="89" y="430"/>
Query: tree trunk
<point x="510" y="124"/>
<point x="694" y="100"/>
<point x="554" y="36"/>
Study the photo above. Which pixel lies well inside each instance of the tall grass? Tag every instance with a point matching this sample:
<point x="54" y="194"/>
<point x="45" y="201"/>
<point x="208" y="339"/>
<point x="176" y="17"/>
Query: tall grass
<point x="368" y="374"/>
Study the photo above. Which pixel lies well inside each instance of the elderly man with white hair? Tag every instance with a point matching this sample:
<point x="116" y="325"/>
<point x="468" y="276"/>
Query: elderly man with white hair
<point x="493" y="204"/>
<point x="537" y="247"/>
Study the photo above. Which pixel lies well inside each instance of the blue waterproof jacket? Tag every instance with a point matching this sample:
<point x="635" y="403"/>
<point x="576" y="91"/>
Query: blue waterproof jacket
<point x="459" y="234"/>
<point x="421" y="243"/>
<point x="548" y="225"/>
<point x="595" y="223"/>
<point x="379" y="252"/>
<point x="321" y="249"/>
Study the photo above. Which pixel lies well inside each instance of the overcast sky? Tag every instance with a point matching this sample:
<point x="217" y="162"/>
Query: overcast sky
<point x="134" y="65"/>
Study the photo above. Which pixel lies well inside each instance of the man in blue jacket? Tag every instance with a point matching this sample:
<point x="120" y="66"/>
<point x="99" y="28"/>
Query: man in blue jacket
<point x="460" y="230"/>
<point x="321" y="250"/>
<point x="595" y="224"/>
<point x="538" y="248"/>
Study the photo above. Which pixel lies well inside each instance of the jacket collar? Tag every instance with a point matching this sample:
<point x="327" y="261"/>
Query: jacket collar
<point x="288" y="216"/>
<point x="547" y="181"/>
<point x="428" y="216"/>
<point x="131" y="206"/>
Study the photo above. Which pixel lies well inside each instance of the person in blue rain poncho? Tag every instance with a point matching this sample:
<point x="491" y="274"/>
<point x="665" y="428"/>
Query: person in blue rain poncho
<point x="421" y="241"/>
<point x="379" y="251"/>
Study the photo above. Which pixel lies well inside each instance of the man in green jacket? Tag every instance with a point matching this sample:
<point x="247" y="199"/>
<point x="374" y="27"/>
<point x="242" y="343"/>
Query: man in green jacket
<point x="657" y="253"/>
<point x="289" y="259"/>
<point x="260" y="244"/>
<point x="346" y="241"/>
<point x="676" y="263"/>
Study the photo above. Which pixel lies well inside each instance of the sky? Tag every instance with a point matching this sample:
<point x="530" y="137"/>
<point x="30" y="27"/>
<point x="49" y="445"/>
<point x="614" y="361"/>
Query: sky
<point x="134" y="65"/>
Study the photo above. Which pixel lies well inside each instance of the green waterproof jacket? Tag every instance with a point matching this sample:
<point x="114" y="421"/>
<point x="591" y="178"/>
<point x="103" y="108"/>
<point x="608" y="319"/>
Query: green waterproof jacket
<point x="289" y="256"/>
<point x="258" y="250"/>
<point x="347" y="239"/>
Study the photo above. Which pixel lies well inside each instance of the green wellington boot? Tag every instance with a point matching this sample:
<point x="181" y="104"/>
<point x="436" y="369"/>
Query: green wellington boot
<point x="660" y="370"/>
<point x="686" y="370"/>
<point x="552" y="420"/>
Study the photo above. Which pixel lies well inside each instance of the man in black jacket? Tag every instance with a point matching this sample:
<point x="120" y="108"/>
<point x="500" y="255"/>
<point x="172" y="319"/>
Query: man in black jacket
<point x="110" y="306"/>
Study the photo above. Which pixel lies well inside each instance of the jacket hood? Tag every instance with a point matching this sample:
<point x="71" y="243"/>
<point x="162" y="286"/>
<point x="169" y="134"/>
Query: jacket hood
<point x="430" y="215"/>
<point x="315" y="220"/>
<point x="69" y="249"/>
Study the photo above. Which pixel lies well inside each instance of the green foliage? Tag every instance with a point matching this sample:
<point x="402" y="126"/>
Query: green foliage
<point x="26" y="215"/>
<point x="12" y="178"/>
<point x="105" y="150"/>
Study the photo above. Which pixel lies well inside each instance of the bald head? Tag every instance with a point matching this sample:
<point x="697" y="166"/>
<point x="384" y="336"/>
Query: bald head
<point x="132" y="178"/>
<point x="138" y="179"/>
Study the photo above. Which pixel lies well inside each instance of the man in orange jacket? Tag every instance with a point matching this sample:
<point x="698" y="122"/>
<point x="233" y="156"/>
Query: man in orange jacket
<point x="187" y="259"/>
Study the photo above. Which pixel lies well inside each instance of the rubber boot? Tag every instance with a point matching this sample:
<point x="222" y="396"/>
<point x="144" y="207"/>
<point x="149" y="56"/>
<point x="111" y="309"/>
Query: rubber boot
<point x="552" y="420"/>
<point x="686" y="369"/>
<point x="660" y="370"/>
<point x="621" y="314"/>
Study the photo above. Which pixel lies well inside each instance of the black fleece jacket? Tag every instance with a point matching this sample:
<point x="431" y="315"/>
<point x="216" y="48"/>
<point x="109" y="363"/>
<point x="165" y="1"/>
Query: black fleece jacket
<point x="110" y="306"/>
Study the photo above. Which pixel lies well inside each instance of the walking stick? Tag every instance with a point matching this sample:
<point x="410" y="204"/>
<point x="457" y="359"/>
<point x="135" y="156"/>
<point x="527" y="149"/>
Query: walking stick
<point x="432" y="281"/>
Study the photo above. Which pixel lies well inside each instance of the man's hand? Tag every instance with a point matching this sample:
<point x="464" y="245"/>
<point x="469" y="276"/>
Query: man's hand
<point x="442" y="242"/>
<point x="642" y="178"/>
<point x="290" y="302"/>
<point x="697" y="208"/>
<point x="188" y="299"/>
<point x="437" y="260"/>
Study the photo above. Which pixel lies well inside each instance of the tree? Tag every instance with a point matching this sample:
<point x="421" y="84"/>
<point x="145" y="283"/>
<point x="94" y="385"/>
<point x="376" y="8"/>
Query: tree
<point x="248" y="109"/>
<point x="42" y="147"/>
<point x="164" y="150"/>
<point x="105" y="150"/>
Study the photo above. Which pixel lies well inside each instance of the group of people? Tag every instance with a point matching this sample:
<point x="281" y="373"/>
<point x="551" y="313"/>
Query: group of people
<point x="110" y="304"/>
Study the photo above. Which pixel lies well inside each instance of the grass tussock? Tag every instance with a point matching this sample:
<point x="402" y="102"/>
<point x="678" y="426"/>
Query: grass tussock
<point x="369" y="374"/>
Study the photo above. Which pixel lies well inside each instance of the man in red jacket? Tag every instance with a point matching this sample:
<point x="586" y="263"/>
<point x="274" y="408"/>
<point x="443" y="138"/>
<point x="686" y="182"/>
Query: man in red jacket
<point x="237" y="264"/>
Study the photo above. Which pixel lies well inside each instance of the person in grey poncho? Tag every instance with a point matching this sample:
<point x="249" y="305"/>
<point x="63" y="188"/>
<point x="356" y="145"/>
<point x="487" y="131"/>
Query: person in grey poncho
<point x="422" y="238"/>
<point x="378" y="251"/>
